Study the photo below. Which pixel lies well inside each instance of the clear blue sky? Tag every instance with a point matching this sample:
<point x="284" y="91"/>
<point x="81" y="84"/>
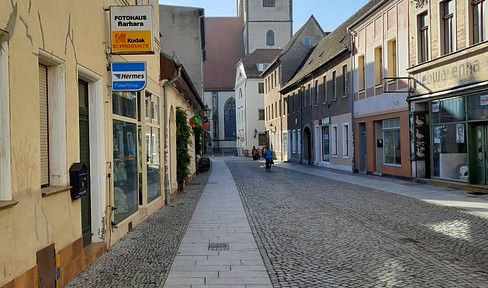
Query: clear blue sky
<point x="329" y="13"/>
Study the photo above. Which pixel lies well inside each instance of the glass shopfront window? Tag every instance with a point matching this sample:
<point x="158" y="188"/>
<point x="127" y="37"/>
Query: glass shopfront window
<point x="391" y="139"/>
<point x="124" y="104"/>
<point x="478" y="107"/>
<point x="153" y="164"/>
<point x="125" y="169"/>
<point x="449" y="147"/>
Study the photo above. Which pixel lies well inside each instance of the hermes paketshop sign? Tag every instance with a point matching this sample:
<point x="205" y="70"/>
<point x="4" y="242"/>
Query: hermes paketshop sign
<point x="132" y="29"/>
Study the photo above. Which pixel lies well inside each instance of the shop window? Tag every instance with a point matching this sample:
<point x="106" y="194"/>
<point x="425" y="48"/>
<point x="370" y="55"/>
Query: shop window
<point x="391" y="142"/>
<point x="361" y="72"/>
<point x="378" y="65"/>
<point x="423" y="37"/>
<point x="478" y="107"/>
<point x="448" y="27"/>
<point x="153" y="151"/>
<point x="448" y="111"/>
<point x="5" y="168"/>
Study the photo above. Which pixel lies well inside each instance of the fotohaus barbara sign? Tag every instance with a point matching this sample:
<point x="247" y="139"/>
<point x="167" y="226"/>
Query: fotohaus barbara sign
<point x="132" y="29"/>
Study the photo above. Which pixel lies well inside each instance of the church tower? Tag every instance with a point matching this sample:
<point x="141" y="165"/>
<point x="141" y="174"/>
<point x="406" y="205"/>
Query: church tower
<point x="267" y="24"/>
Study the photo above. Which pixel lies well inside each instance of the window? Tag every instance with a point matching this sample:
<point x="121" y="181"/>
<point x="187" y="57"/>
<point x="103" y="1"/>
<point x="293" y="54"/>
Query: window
<point x="261" y="114"/>
<point x="334" y="140"/>
<point x="281" y="110"/>
<point x="325" y="88"/>
<point x="334" y="86"/>
<point x="294" y="141"/>
<point x="262" y="139"/>
<point x="5" y="169"/>
<point x="270" y="38"/>
<point x="276" y="109"/>
<point x="317" y="91"/>
<point x="261" y="88"/>
<point x="447" y="25"/>
<point x="345" y="140"/>
<point x="307" y="42"/>
<point x="268" y="3"/>
<point x="52" y="117"/>
<point x="392" y="66"/>
<point x="378" y="65"/>
<point x="325" y="144"/>
<point x="230" y="119"/>
<point x="309" y="94"/>
<point x="299" y="144"/>
<point x="391" y="141"/>
<point x="362" y="75"/>
<point x="344" y="80"/>
<point x="478" y="21"/>
<point x="423" y="36"/>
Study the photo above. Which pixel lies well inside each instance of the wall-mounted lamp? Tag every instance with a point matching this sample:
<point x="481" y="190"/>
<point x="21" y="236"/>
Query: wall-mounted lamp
<point x="255" y="132"/>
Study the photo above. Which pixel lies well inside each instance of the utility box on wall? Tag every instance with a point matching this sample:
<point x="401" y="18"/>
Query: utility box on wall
<point x="78" y="180"/>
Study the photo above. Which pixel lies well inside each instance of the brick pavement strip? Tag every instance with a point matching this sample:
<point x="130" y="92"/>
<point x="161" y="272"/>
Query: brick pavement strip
<point x="144" y="256"/>
<point x="318" y="232"/>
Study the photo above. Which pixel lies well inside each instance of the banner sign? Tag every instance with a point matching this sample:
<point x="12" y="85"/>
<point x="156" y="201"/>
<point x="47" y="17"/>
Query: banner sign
<point x="128" y="76"/>
<point x="131" y="29"/>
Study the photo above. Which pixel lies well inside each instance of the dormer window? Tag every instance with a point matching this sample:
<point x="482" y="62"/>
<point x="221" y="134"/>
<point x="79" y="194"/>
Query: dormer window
<point x="307" y="42"/>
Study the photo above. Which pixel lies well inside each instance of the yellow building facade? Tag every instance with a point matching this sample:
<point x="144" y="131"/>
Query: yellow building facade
<point x="57" y="110"/>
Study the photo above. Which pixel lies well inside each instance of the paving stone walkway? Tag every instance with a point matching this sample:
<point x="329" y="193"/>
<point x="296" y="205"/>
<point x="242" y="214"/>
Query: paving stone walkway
<point x="218" y="249"/>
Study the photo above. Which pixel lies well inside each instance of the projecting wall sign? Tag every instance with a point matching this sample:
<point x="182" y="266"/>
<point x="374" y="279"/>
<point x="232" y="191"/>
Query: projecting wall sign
<point x="128" y="76"/>
<point x="131" y="29"/>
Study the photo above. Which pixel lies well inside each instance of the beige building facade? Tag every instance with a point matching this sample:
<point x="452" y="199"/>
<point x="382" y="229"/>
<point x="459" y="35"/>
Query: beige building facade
<point x="58" y="111"/>
<point x="448" y="70"/>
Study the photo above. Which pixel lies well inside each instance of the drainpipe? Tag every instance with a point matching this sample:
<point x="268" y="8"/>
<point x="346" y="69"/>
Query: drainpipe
<point x="351" y="85"/>
<point x="166" y="136"/>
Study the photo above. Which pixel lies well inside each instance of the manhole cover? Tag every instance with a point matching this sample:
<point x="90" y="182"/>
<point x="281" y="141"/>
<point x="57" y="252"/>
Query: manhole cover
<point x="212" y="246"/>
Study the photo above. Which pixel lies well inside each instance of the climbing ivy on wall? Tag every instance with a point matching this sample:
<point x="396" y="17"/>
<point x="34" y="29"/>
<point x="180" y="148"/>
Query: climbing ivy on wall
<point x="183" y="141"/>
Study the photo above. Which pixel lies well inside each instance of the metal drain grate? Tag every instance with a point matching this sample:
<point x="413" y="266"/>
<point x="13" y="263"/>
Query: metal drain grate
<point x="212" y="246"/>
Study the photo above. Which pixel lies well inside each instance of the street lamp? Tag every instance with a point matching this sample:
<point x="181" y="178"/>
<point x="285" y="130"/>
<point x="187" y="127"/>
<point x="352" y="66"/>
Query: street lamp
<point x="206" y="113"/>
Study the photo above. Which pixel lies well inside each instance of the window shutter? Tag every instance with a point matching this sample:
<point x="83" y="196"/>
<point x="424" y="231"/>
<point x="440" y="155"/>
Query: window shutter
<point x="44" y="125"/>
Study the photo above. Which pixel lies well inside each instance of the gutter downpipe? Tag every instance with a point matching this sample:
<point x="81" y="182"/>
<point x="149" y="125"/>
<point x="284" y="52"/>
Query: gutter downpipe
<point x="166" y="136"/>
<point x="353" y="34"/>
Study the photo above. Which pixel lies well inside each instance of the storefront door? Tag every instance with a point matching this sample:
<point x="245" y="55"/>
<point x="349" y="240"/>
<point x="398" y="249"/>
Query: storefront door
<point x="479" y="159"/>
<point x="85" y="159"/>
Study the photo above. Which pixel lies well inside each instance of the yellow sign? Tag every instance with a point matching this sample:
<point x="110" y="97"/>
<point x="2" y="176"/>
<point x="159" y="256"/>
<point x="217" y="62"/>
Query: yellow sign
<point x="130" y="41"/>
<point x="131" y="29"/>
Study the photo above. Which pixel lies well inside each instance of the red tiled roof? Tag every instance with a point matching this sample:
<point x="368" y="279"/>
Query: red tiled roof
<point x="225" y="47"/>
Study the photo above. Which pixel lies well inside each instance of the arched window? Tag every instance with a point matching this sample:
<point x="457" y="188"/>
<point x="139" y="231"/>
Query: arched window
<point x="270" y="40"/>
<point x="230" y="119"/>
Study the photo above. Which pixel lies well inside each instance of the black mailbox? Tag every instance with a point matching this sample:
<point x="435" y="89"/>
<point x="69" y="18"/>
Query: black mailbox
<point x="78" y="180"/>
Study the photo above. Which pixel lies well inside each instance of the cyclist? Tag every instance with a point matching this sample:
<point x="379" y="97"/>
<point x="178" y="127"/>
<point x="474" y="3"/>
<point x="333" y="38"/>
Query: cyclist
<point x="268" y="155"/>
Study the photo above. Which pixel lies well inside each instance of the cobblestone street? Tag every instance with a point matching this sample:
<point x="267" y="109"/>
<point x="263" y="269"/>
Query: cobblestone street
<point x="311" y="231"/>
<point x="317" y="232"/>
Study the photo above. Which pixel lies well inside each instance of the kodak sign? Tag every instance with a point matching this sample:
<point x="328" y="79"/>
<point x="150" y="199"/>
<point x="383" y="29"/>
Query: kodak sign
<point x="131" y="29"/>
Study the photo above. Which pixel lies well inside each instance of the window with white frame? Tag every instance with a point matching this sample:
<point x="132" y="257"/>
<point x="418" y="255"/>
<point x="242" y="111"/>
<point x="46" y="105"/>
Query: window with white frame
<point x="324" y="81"/>
<point x="299" y="144"/>
<point x="5" y="168"/>
<point x="317" y="91"/>
<point x="448" y="26"/>
<point x="478" y="21"/>
<point x="391" y="141"/>
<point x="334" y="141"/>
<point x="52" y="111"/>
<point x="423" y="37"/>
<point x="345" y="140"/>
